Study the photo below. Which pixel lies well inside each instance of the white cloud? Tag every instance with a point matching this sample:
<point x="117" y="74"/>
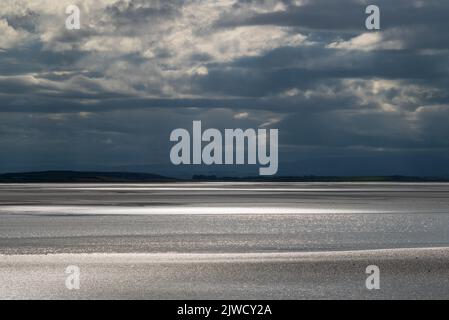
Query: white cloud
<point x="113" y="44"/>
<point x="241" y="115"/>
<point x="367" y="41"/>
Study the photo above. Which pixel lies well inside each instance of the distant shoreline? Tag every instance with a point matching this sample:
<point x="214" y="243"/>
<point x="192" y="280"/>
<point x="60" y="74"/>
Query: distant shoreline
<point x="136" y="177"/>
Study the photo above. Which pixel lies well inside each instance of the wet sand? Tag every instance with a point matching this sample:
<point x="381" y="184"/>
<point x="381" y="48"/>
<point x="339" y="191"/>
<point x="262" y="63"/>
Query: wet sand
<point x="405" y="274"/>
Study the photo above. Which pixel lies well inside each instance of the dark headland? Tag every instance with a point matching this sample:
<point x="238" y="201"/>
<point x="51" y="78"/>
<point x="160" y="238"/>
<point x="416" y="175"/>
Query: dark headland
<point x="81" y="177"/>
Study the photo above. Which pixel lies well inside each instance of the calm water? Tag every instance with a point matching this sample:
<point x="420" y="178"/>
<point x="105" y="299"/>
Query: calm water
<point x="224" y="241"/>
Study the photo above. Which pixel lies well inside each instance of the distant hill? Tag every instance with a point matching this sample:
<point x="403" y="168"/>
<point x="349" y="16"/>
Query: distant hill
<point x="321" y="179"/>
<point x="85" y="177"/>
<point x="130" y="177"/>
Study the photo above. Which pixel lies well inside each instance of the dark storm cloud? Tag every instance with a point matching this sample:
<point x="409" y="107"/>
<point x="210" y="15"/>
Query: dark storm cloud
<point x="33" y="58"/>
<point x="320" y="15"/>
<point x="258" y="77"/>
<point x="346" y="14"/>
<point x="418" y="23"/>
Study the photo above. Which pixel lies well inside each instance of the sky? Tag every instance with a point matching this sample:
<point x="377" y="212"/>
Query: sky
<point x="346" y="101"/>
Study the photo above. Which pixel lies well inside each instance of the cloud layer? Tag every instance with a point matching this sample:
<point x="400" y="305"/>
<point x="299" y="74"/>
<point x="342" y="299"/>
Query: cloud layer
<point x="346" y="100"/>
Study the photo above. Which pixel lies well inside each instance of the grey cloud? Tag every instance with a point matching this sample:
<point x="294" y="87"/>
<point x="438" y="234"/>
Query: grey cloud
<point x="123" y="13"/>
